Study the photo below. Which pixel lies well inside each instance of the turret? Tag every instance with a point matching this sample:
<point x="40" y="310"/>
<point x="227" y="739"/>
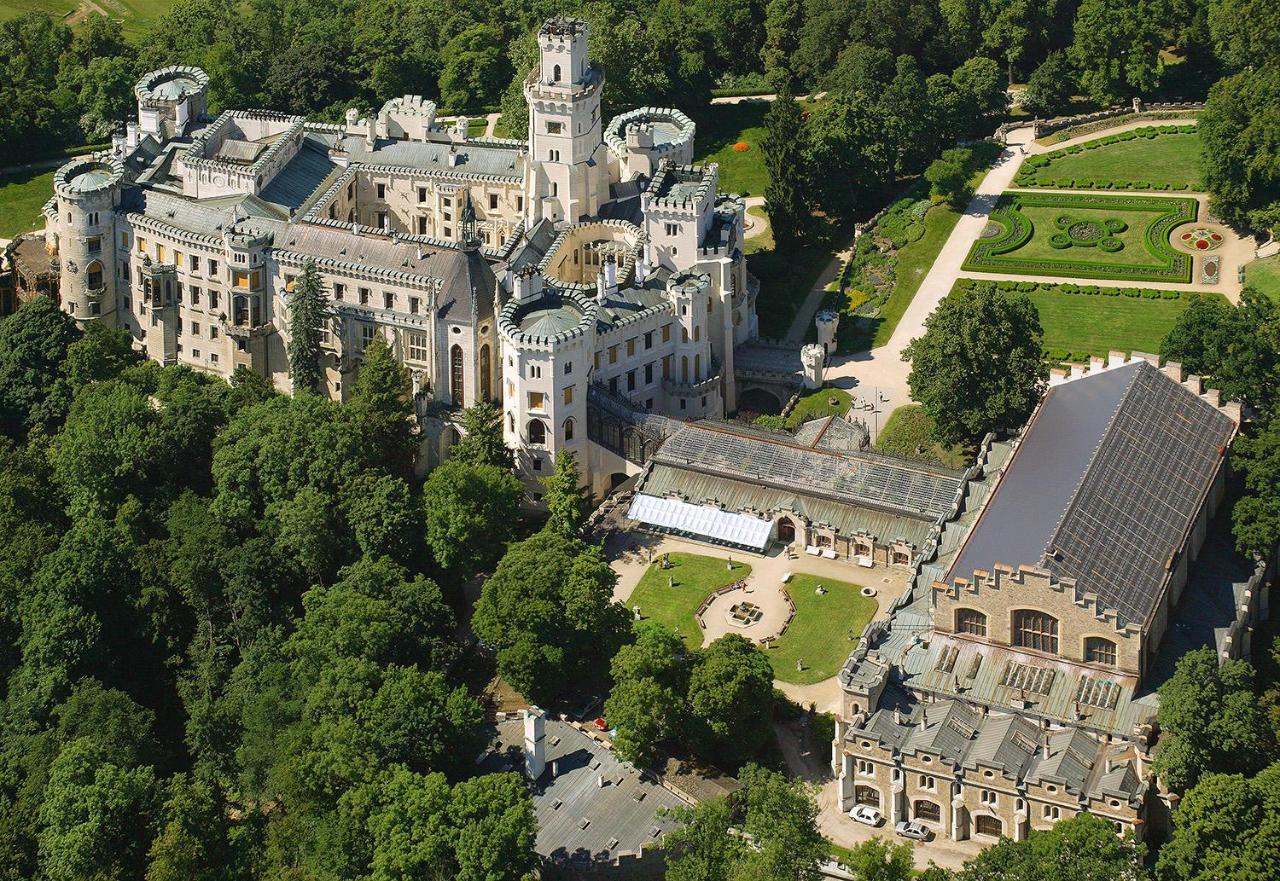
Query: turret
<point x="812" y="359"/>
<point x="694" y="387"/>
<point x="87" y="191"/>
<point x="828" y="322"/>
<point x="169" y="99"/>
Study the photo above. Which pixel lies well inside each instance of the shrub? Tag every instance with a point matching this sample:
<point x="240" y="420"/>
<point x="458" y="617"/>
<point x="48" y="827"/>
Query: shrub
<point x="1060" y="241"/>
<point x="1141" y="185"/>
<point x="1171" y="295"/>
<point x="1027" y="287"/>
<point x="1132" y="292"/>
<point x="1110" y="245"/>
<point x="1064" y="220"/>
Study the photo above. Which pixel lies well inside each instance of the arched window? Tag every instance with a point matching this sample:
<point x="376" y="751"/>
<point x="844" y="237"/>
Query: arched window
<point x="927" y="811"/>
<point x="94" y="275"/>
<point x="568" y="429"/>
<point x="486" y="390"/>
<point x="1099" y="650"/>
<point x="786" y="535"/>
<point x="866" y="795"/>
<point x="537" y="432"/>
<point x="455" y="375"/>
<point x="971" y="621"/>
<point x="1035" y="630"/>
<point x="555" y="74"/>
<point x="684" y="369"/>
<point x="985" y="824"/>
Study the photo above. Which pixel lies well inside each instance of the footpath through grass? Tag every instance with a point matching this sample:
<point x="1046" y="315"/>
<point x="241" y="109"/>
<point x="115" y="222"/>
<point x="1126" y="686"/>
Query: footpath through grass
<point x="693" y="577"/>
<point x="21" y="198"/>
<point x="825" y="629"/>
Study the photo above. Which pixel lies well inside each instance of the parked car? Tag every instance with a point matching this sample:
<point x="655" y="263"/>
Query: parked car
<point x="914" y="829"/>
<point x="866" y="814"/>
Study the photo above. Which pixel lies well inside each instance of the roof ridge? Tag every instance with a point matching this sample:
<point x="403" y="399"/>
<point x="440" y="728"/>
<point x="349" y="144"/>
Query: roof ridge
<point x="1093" y="458"/>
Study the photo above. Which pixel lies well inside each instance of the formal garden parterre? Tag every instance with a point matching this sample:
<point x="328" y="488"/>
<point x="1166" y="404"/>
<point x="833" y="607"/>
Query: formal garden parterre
<point x="1063" y="235"/>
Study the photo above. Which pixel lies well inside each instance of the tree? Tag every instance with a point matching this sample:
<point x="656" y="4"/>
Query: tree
<point x="97" y="818"/>
<point x="1225" y="829"/>
<point x="880" y="860"/>
<point x="785" y="194"/>
<point x="548" y="612"/>
<point x="193" y="843"/>
<point x="1245" y="32"/>
<point x="731" y="698"/>
<point x="782" y="820"/>
<point x="782" y="19"/>
<point x="1116" y="49"/>
<point x="651" y="681"/>
<point x="385" y="517"/>
<point x="1199" y="336"/>
<point x="1211" y="721"/>
<point x="470" y="513"/>
<point x="1255" y="518"/>
<point x="411" y="830"/>
<point x="701" y="847"/>
<point x="948" y="182"/>
<point x="568" y="503"/>
<point x="1250" y="367"/>
<point x="474" y="69"/>
<point x="1241" y="166"/>
<point x="982" y="93"/>
<point x="1050" y="86"/>
<point x="1082" y="848"/>
<point x="102" y="353"/>
<point x="33" y="346"/>
<point x="482" y="442"/>
<point x="382" y="400"/>
<point x="979" y="366"/>
<point x="496" y="827"/>
<point x="309" y="309"/>
<point x="846" y="139"/>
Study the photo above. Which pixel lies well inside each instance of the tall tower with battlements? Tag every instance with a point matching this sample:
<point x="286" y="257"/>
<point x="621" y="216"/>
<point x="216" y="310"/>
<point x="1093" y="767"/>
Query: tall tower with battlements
<point x="565" y="137"/>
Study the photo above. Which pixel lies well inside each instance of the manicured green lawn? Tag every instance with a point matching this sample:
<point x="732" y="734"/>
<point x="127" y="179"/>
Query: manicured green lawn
<point x="1029" y="221"/>
<point x="1265" y="276"/>
<point x="825" y="629"/>
<point x="908" y="434"/>
<point x="137" y="16"/>
<point x="763" y="240"/>
<point x="694" y="576"/>
<point x="816" y="405"/>
<point x="21" y="198"/>
<point x="1171" y="157"/>
<point x="1082" y="324"/>
<point x="719" y="127"/>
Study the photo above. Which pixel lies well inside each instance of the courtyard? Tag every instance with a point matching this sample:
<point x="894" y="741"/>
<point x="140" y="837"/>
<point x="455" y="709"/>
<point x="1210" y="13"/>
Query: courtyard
<point x="804" y="611"/>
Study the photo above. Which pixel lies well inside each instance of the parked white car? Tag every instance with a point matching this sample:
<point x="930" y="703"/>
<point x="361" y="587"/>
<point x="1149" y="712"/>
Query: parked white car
<point x="914" y="829"/>
<point x="866" y="814"/>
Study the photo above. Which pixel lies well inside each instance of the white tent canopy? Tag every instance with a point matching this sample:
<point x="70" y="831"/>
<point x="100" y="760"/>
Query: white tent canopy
<point x="701" y="521"/>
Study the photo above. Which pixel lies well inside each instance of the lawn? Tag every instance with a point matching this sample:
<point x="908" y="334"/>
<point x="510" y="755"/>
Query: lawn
<point x="908" y="434"/>
<point x="694" y="576"/>
<point x="1169" y="158"/>
<point x="21" y="198"/>
<point x="825" y="629"/>
<point x="1028" y="225"/>
<point x="818" y="404"/>
<point x="719" y="127"/>
<point x="137" y="16"/>
<point x="1095" y="320"/>
<point x="786" y="277"/>
<point x="1264" y="275"/>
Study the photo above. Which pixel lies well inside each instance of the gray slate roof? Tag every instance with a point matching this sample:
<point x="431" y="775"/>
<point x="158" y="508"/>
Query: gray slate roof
<point x="488" y="160"/>
<point x="1104" y="486"/>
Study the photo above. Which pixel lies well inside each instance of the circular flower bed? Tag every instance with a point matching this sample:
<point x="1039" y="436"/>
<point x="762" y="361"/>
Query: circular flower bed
<point x="1115" y="225"/>
<point x="1085" y="233"/>
<point x="1201" y="239"/>
<point x="741" y="147"/>
<point x="1059" y="240"/>
<point x="1110" y="245"/>
<point x="1064" y="220"/>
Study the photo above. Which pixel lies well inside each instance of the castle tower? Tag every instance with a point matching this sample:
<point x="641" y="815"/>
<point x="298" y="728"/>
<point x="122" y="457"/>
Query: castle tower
<point x="565" y="139"/>
<point x="693" y="389"/>
<point x="86" y="191"/>
<point x="812" y="359"/>
<point x="547" y="342"/>
<point x="169" y="99"/>
<point x="828" y="322"/>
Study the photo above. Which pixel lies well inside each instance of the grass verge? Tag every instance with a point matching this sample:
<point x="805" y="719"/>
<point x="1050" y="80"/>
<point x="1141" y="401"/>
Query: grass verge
<point x="908" y="434"/>
<point x="21" y="198"/>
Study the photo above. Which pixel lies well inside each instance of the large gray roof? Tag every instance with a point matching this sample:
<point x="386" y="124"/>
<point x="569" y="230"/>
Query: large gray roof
<point x="472" y="158"/>
<point x="1104" y="486"/>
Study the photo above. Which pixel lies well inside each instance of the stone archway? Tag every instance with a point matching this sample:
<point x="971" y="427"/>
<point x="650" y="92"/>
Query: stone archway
<point x="866" y="795"/>
<point x="786" y="530"/>
<point x="759" y="400"/>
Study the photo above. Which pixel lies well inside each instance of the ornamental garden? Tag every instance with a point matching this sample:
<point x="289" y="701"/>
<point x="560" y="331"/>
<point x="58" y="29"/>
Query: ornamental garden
<point x="1085" y="235"/>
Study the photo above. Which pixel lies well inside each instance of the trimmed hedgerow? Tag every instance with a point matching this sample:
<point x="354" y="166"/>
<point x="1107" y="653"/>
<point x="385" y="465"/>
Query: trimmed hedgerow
<point x="999" y="254"/>
<point x="1038" y="171"/>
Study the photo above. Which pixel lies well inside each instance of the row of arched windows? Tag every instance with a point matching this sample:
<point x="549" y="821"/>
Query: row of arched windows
<point x="1036" y="630"/>
<point x="536" y="430"/>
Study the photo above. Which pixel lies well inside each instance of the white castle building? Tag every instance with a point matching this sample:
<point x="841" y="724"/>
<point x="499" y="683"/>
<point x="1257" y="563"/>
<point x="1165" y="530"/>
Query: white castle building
<point x="590" y="278"/>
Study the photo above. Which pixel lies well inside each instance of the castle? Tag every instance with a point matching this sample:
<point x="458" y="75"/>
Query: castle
<point x="589" y="263"/>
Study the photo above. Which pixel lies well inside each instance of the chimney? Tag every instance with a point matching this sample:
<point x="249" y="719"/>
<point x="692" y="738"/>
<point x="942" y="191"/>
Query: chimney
<point x="534" y="742"/>
<point x="602" y="288"/>
<point x="642" y="266"/>
<point x="371" y="130"/>
<point x="1044" y="751"/>
<point x="453" y="156"/>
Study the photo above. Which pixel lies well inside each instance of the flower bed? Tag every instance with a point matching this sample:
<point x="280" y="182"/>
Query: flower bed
<point x="1086" y="235"/>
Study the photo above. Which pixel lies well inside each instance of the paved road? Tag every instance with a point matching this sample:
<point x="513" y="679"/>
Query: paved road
<point x="878" y="378"/>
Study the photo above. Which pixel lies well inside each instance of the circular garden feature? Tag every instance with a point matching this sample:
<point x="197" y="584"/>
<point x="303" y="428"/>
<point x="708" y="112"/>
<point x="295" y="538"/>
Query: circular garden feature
<point x="1200" y="238"/>
<point x="1081" y="233"/>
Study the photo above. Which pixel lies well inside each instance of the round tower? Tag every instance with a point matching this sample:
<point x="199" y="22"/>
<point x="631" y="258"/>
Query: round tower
<point x="548" y="342"/>
<point x="812" y="359"/>
<point x="168" y="99"/>
<point x="87" y="191"/>
<point x="828" y="322"/>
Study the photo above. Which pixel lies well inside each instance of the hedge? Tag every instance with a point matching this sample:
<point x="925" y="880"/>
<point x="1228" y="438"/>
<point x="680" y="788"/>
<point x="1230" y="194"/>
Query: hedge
<point x="996" y="254"/>
<point x="1028" y="177"/>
